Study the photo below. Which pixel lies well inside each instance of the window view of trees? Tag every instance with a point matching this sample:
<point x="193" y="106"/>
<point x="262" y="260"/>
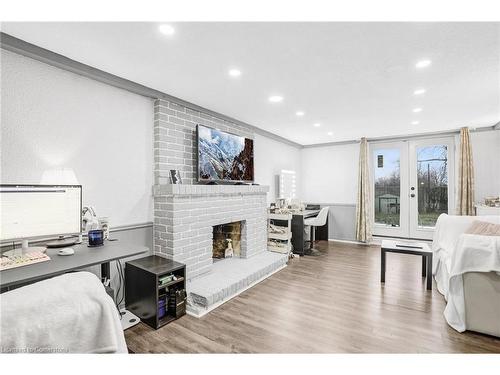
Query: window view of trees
<point x="431" y="192"/>
<point x="387" y="187"/>
<point x="432" y="177"/>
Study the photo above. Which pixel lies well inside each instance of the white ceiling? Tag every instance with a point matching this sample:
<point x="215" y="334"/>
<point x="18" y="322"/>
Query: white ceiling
<point x="355" y="79"/>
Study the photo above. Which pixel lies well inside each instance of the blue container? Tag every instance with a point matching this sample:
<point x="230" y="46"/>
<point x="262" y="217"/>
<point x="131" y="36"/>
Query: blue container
<point x="162" y="308"/>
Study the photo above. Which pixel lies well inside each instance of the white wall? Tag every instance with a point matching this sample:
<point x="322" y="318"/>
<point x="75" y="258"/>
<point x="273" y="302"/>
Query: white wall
<point x="54" y="118"/>
<point x="329" y="174"/>
<point x="270" y="157"/>
<point x="486" y="156"/>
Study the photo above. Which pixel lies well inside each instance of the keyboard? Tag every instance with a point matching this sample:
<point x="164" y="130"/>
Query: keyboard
<point x="13" y="261"/>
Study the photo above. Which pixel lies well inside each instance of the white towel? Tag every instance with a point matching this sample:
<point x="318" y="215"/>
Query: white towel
<point x="66" y="314"/>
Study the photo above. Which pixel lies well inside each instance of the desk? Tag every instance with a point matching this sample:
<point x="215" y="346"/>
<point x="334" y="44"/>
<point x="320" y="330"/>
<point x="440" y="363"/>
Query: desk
<point x="84" y="257"/>
<point x="298" y="240"/>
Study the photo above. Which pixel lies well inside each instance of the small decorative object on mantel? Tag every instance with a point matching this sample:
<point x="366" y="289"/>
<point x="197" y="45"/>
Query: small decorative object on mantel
<point x="175" y="177"/>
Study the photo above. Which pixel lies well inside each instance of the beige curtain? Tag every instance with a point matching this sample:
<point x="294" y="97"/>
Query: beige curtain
<point x="364" y="204"/>
<point x="465" y="205"/>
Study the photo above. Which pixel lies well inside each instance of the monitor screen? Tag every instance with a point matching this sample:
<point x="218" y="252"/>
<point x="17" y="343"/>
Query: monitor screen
<point x="39" y="211"/>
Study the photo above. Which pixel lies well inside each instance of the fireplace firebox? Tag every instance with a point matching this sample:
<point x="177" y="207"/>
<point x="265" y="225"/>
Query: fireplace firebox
<point x="227" y="240"/>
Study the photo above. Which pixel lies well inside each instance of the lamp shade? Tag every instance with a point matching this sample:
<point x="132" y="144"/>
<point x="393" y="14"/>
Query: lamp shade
<point x="62" y="176"/>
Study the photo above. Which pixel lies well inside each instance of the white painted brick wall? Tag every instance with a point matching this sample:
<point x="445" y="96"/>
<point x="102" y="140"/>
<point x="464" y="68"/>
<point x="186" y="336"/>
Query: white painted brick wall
<point x="175" y="139"/>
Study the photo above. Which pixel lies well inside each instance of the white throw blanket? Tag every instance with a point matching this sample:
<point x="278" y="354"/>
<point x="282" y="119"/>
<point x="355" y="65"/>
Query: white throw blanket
<point x="446" y="237"/>
<point x="66" y="314"/>
<point x="473" y="253"/>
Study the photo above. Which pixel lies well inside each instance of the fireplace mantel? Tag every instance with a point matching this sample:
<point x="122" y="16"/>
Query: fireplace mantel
<point x="206" y="190"/>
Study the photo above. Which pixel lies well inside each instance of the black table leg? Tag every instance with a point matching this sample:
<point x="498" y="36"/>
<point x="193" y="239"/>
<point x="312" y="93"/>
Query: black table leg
<point x="298" y="240"/>
<point x="311" y="237"/>
<point x="382" y="266"/>
<point x="429" y="271"/>
<point x="424" y="260"/>
<point x="105" y="271"/>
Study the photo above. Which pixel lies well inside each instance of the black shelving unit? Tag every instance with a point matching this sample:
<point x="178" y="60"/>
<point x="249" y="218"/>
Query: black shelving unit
<point x="143" y="292"/>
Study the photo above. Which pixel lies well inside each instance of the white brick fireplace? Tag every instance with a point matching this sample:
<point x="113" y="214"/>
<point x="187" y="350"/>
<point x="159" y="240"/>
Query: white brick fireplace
<point x="185" y="216"/>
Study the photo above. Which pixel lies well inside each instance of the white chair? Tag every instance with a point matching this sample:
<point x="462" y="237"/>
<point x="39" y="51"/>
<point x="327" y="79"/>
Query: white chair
<point x="317" y="221"/>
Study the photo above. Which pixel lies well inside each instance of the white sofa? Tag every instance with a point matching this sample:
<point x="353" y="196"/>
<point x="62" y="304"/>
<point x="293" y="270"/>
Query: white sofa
<point x="477" y="294"/>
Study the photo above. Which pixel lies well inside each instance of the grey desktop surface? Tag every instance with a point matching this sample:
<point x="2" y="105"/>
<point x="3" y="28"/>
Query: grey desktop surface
<point x="84" y="257"/>
<point x="306" y="213"/>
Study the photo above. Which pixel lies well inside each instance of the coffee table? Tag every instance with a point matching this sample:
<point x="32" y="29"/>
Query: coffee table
<point x="407" y="247"/>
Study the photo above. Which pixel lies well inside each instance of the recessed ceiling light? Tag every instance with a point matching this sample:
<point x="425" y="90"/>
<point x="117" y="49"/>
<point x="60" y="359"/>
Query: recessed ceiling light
<point x="330" y="133"/>
<point x="423" y="64"/>
<point x="419" y="92"/>
<point x="300" y="113"/>
<point x="416" y="110"/>
<point x="275" y="98"/>
<point x="166" y="29"/>
<point x="317" y="125"/>
<point x="415" y="122"/>
<point x="234" y="72"/>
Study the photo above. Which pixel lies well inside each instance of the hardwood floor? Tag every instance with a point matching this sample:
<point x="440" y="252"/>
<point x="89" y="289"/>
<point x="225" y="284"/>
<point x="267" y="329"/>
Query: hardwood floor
<point x="326" y="304"/>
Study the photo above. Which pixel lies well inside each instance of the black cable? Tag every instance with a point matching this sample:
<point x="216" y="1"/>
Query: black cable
<point x="118" y="289"/>
<point x="122" y="274"/>
<point x="120" y="278"/>
<point x="123" y="282"/>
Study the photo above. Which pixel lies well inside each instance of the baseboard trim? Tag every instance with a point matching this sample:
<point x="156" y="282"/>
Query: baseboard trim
<point x="351" y="242"/>
<point x="217" y="304"/>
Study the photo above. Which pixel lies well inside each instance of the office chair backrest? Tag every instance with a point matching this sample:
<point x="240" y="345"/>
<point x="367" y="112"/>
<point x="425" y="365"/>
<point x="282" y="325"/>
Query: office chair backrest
<point x="322" y="216"/>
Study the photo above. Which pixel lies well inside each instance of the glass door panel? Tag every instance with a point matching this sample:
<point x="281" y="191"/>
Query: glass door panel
<point x="389" y="176"/>
<point x="387" y="187"/>
<point x="432" y="182"/>
<point x="431" y="179"/>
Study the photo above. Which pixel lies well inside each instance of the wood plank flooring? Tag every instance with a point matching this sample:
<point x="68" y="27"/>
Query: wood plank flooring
<point x="333" y="303"/>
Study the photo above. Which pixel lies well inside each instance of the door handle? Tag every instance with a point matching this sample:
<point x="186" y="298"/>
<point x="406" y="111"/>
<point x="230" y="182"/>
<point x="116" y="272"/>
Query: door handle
<point x="412" y="195"/>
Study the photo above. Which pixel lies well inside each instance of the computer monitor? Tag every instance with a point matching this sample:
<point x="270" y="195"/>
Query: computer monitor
<point x="37" y="211"/>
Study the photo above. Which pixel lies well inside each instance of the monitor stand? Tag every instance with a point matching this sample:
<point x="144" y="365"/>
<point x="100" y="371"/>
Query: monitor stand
<point x="63" y="242"/>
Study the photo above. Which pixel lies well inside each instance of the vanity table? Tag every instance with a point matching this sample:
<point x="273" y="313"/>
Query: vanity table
<point x="298" y="237"/>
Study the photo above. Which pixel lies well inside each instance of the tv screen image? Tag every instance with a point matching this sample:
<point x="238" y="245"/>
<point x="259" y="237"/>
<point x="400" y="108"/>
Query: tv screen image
<point x="223" y="156"/>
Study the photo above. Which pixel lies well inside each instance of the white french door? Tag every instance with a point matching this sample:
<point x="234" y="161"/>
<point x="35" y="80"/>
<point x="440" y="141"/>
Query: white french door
<point x="412" y="186"/>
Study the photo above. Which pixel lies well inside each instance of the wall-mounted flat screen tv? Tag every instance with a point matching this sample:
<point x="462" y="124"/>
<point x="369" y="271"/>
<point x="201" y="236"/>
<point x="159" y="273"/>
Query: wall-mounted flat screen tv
<point x="223" y="156"/>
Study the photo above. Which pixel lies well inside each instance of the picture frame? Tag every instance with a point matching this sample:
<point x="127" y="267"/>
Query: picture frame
<point x="175" y="177"/>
